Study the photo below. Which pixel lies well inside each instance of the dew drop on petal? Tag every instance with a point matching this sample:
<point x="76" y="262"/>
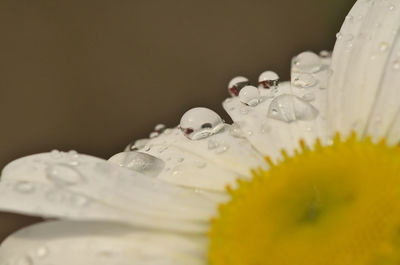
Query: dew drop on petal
<point x="236" y="84"/>
<point x="309" y="97"/>
<point x="339" y="35"/>
<point x="42" y="252"/>
<point x="63" y="174"/>
<point x="289" y="108"/>
<point x="200" y="123"/>
<point x="212" y="144"/>
<point x="140" y="162"/>
<point x="249" y="95"/>
<point x="222" y="149"/>
<point x="268" y="79"/>
<point x="200" y="164"/>
<point x="305" y="80"/>
<point x="24" y="187"/>
<point x="235" y="131"/>
<point x="307" y="62"/>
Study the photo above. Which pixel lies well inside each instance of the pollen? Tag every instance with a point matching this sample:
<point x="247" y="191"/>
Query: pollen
<point x="326" y="205"/>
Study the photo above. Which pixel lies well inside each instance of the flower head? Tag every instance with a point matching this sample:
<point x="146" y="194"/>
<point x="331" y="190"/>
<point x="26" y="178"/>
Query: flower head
<point x="278" y="184"/>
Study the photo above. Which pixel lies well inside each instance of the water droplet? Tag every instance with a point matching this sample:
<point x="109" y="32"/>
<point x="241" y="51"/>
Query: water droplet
<point x="244" y="110"/>
<point x="305" y="80"/>
<point x="55" y="154"/>
<point x="26" y="260"/>
<point x="348" y="37"/>
<point x="212" y="144"/>
<point x="249" y="133"/>
<point x="383" y="46"/>
<point x="268" y="79"/>
<point x="42" y="252"/>
<point x="249" y="95"/>
<point x="153" y="135"/>
<point x="167" y="131"/>
<point x="236" y="84"/>
<point x="392" y="7"/>
<point x="265" y="128"/>
<point x="24" y="187"/>
<point x="159" y="128"/>
<point x="290" y="108"/>
<point x="309" y="97"/>
<point x="63" y="174"/>
<point x="349" y="18"/>
<point x="339" y="35"/>
<point x="235" y="131"/>
<point x="222" y="149"/>
<point x="200" y="123"/>
<point x="141" y="162"/>
<point x="200" y="164"/>
<point x="137" y="145"/>
<point x="307" y="62"/>
<point x="79" y="200"/>
<point x="147" y="147"/>
<point x="396" y="64"/>
<point x="325" y="54"/>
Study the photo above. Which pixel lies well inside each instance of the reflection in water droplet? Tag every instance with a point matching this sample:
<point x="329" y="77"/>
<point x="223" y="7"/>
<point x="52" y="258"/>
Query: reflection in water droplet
<point x="305" y="80"/>
<point x="268" y="80"/>
<point x="200" y="123"/>
<point x="24" y="187"/>
<point x="63" y="174"/>
<point x="140" y="162"/>
<point x="290" y="108"/>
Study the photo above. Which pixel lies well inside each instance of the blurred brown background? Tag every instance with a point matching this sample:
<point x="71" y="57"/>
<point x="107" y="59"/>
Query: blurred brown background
<point x="94" y="75"/>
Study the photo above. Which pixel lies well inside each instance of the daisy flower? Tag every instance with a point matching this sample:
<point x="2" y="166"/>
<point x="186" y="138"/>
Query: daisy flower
<point x="308" y="173"/>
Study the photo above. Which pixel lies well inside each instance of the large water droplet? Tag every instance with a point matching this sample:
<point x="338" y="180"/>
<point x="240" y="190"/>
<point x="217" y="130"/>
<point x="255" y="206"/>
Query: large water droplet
<point x="140" y="162"/>
<point x="199" y="123"/>
<point x="24" y="187"/>
<point x="305" y="80"/>
<point x="290" y="108"/>
<point x="307" y="62"/>
<point x="249" y="95"/>
<point x="236" y="84"/>
<point x="268" y="79"/>
<point x="63" y="174"/>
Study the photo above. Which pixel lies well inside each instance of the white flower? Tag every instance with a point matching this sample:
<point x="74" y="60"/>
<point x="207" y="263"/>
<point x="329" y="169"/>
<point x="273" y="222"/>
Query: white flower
<point x="154" y="205"/>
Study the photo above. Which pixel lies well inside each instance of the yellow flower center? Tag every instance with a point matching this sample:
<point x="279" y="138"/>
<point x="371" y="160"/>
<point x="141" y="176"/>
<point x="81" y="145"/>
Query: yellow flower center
<point x="334" y="205"/>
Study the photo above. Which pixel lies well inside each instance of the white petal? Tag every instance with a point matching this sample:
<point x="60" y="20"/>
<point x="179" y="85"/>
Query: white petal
<point x="86" y="243"/>
<point x="39" y="199"/>
<point x="271" y="135"/>
<point x="211" y="163"/>
<point x="117" y="187"/>
<point x="362" y="91"/>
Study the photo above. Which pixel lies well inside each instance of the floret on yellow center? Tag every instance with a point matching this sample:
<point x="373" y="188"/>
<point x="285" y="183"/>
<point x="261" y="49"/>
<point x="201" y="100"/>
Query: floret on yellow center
<point x="334" y="205"/>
